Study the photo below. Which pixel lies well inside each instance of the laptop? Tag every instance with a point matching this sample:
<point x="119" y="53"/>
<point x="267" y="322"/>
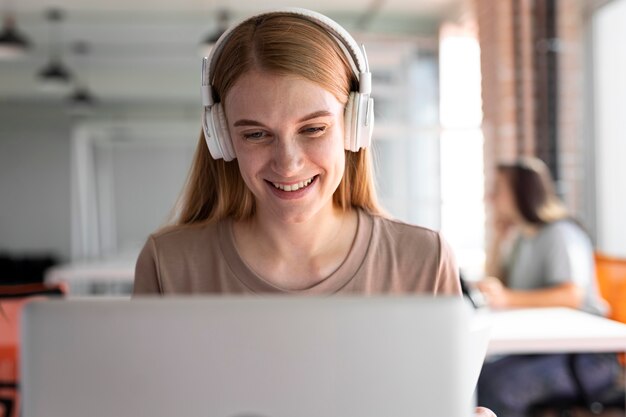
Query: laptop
<point x="250" y="357"/>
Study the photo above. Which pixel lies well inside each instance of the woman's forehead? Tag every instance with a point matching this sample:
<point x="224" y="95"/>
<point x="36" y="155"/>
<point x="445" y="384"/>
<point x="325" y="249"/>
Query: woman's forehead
<point x="268" y="95"/>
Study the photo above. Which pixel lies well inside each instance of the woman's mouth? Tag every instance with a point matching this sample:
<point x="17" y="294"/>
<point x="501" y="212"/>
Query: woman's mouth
<point x="293" y="187"/>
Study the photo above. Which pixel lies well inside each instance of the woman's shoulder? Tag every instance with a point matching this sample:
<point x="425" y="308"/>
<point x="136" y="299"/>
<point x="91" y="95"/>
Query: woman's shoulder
<point x="563" y="234"/>
<point x="406" y="237"/>
<point x="184" y="235"/>
<point x="416" y="257"/>
<point x="403" y="230"/>
<point x="565" y="229"/>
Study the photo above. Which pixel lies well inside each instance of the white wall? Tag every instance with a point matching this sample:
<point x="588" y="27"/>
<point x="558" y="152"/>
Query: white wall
<point x="462" y="147"/>
<point x="406" y="136"/>
<point x="609" y="34"/>
<point x="127" y="177"/>
<point x="34" y="179"/>
<point x="35" y="174"/>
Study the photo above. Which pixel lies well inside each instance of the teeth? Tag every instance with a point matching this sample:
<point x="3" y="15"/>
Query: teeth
<point x="293" y="187"/>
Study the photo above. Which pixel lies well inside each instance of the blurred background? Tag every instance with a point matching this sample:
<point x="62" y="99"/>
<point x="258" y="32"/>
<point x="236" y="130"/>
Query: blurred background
<point x="100" y="114"/>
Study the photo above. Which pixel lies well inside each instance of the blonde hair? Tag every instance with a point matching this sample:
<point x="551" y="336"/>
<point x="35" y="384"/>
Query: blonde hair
<point x="283" y="44"/>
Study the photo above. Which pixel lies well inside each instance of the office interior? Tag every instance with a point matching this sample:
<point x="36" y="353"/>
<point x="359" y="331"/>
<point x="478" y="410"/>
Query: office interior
<point x="459" y="86"/>
<point x="93" y="159"/>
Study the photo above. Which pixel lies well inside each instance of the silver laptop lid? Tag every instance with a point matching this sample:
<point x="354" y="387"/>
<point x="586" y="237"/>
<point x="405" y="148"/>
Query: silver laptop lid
<point x="245" y="357"/>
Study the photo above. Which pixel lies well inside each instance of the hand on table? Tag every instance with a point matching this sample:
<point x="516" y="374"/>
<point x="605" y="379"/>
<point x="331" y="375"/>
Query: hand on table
<point x="484" y="412"/>
<point x="496" y="294"/>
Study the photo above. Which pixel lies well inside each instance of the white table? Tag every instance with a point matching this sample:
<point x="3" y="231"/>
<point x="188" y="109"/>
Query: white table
<point x="552" y="330"/>
<point x="113" y="276"/>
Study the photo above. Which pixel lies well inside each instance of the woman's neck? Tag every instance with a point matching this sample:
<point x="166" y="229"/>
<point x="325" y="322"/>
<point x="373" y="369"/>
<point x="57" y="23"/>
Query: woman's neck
<point x="296" y="255"/>
<point x="528" y="229"/>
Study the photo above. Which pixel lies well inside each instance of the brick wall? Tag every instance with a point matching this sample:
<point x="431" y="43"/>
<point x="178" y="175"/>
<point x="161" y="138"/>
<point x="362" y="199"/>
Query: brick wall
<point x="517" y="79"/>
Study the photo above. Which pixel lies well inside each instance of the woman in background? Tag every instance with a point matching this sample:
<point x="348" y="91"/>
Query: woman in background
<point x="540" y="257"/>
<point x="550" y="262"/>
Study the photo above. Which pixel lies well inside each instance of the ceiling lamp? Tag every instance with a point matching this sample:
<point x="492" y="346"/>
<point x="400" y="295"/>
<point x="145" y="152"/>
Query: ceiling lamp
<point x="13" y="44"/>
<point x="55" y="77"/>
<point x="209" y="41"/>
<point x="81" y="101"/>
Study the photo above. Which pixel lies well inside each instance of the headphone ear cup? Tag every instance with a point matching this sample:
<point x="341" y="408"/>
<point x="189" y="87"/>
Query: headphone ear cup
<point x="350" y="116"/>
<point x="365" y="121"/>
<point x="210" y="135"/>
<point x="216" y="133"/>
<point x="358" y="121"/>
<point x="223" y="135"/>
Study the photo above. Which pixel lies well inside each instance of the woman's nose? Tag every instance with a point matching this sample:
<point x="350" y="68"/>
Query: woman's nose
<point x="288" y="157"/>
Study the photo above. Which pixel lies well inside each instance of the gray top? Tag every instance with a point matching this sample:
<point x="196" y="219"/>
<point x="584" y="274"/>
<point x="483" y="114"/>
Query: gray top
<point x="559" y="253"/>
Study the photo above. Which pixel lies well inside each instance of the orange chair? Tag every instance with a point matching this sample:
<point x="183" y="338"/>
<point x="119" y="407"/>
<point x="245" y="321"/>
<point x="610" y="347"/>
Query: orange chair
<point x="12" y="299"/>
<point x="611" y="276"/>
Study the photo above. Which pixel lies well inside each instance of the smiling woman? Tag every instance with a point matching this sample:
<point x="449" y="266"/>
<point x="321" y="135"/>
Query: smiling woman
<point x="280" y="198"/>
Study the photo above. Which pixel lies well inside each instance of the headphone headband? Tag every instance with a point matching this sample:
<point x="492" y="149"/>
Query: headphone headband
<point x="359" y="108"/>
<point x="346" y="41"/>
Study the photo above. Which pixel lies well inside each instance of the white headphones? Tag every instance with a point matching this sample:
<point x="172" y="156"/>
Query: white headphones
<point x="359" y="110"/>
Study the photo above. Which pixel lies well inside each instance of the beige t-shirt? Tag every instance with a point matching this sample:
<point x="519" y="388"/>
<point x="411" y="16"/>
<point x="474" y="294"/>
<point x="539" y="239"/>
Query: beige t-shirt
<point x="387" y="257"/>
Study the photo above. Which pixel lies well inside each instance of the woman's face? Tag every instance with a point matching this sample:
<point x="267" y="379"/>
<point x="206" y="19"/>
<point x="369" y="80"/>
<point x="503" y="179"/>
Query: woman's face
<point x="288" y="136"/>
<point x="503" y="200"/>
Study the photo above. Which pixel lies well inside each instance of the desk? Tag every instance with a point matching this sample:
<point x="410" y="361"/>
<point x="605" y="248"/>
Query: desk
<point x="113" y="276"/>
<point x="553" y="330"/>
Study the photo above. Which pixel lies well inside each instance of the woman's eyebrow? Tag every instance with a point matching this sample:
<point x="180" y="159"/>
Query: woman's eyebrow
<point x="314" y="115"/>
<point x="248" y="122"/>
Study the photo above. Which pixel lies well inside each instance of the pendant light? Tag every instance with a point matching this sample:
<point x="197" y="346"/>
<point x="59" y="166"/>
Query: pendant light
<point x="13" y="44"/>
<point x="55" y="77"/>
<point x="209" y="41"/>
<point x="81" y="101"/>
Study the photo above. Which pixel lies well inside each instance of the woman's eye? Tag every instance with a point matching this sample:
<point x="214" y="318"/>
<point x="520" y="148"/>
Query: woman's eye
<point x="315" y="130"/>
<point x="254" y="135"/>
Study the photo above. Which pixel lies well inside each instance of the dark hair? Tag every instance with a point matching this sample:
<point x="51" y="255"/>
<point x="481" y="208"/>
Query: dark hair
<point x="533" y="191"/>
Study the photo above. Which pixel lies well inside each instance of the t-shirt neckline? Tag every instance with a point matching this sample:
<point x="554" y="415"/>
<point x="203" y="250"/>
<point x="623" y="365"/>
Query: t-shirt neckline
<point x="331" y="284"/>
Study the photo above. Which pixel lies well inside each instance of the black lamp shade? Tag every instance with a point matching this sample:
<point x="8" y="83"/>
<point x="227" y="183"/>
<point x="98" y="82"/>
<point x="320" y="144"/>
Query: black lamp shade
<point x="82" y="96"/>
<point x="55" y="71"/>
<point x="12" y="43"/>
